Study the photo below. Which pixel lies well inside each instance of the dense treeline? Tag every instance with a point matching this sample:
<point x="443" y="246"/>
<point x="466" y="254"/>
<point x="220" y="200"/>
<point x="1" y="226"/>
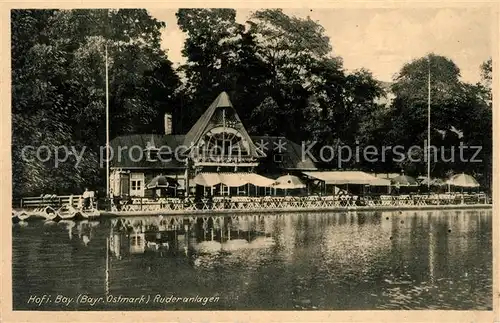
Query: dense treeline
<point x="279" y="71"/>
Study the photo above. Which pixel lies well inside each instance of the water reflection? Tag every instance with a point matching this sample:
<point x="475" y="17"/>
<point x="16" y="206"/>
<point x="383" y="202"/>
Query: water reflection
<point x="384" y="260"/>
<point x="190" y="236"/>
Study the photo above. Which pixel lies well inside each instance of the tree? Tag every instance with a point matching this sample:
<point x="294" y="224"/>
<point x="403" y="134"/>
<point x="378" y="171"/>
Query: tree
<point x="58" y="86"/>
<point x="486" y="72"/>
<point x="212" y="51"/>
<point x="268" y="125"/>
<point x="327" y="85"/>
<point x="455" y="105"/>
<point x="279" y="68"/>
<point x="290" y="47"/>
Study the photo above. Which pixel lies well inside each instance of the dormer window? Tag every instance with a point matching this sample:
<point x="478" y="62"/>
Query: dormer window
<point x="223" y="144"/>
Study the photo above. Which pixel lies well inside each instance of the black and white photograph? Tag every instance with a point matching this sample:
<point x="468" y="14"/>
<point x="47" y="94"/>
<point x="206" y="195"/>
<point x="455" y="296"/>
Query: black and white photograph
<point x="260" y="159"/>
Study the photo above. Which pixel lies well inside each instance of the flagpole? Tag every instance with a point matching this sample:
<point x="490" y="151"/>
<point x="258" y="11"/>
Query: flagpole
<point x="223" y="131"/>
<point x="429" y="122"/>
<point x="107" y="123"/>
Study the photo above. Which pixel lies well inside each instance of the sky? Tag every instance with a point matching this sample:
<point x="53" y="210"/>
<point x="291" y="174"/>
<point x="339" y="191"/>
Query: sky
<point x="382" y="40"/>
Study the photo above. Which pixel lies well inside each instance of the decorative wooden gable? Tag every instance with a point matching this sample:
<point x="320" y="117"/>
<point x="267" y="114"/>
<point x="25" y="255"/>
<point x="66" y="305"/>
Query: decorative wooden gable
<point x="219" y="135"/>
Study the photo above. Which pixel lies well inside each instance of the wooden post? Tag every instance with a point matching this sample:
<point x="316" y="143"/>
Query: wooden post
<point x="107" y="265"/>
<point x="186" y="236"/>
<point x="186" y="179"/>
<point x="176" y="238"/>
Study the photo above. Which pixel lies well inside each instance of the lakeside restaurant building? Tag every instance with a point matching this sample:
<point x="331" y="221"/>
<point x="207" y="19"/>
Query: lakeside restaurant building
<point x="218" y="157"/>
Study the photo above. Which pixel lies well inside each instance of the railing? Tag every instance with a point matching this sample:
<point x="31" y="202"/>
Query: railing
<point x="47" y="200"/>
<point x="294" y="202"/>
<point x="138" y="204"/>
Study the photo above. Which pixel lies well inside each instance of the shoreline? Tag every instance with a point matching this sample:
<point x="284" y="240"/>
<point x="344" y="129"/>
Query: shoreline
<point x="294" y="210"/>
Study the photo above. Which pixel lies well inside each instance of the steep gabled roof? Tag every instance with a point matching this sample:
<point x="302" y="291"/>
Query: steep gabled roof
<point x="128" y="151"/>
<point x="290" y="151"/>
<point x="200" y="127"/>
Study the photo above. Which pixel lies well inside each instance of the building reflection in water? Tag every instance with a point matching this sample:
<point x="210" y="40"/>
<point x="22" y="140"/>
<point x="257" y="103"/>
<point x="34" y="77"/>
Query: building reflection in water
<point x="348" y="260"/>
<point x="193" y="236"/>
<point x="357" y="239"/>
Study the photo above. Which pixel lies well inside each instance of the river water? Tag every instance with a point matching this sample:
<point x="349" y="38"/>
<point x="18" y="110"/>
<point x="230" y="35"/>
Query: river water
<point x="335" y="261"/>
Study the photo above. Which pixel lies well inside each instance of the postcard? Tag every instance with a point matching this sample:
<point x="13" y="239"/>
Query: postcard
<point x="247" y="162"/>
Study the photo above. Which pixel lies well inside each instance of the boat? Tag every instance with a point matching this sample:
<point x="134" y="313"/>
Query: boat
<point x="88" y="214"/>
<point x="50" y="214"/>
<point x="46" y="213"/>
<point x="67" y="212"/>
<point x="19" y="216"/>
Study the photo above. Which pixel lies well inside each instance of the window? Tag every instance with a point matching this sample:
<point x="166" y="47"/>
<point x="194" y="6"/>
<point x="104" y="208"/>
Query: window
<point x="224" y="142"/>
<point x="278" y="158"/>
<point x="137" y="184"/>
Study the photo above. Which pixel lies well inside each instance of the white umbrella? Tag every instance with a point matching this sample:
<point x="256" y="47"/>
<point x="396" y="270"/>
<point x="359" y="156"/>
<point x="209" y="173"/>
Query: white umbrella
<point x="433" y="182"/>
<point x="462" y="180"/>
<point x="289" y="182"/>
<point x="404" y="180"/>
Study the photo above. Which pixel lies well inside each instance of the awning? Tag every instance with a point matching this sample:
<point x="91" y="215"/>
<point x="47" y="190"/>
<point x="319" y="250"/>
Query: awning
<point x="207" y="179"/>
<point x="348" y="177"/>
<point x="232" y="179"/>
<point x="380" y="182"/>
<point x="259" y="180"/>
